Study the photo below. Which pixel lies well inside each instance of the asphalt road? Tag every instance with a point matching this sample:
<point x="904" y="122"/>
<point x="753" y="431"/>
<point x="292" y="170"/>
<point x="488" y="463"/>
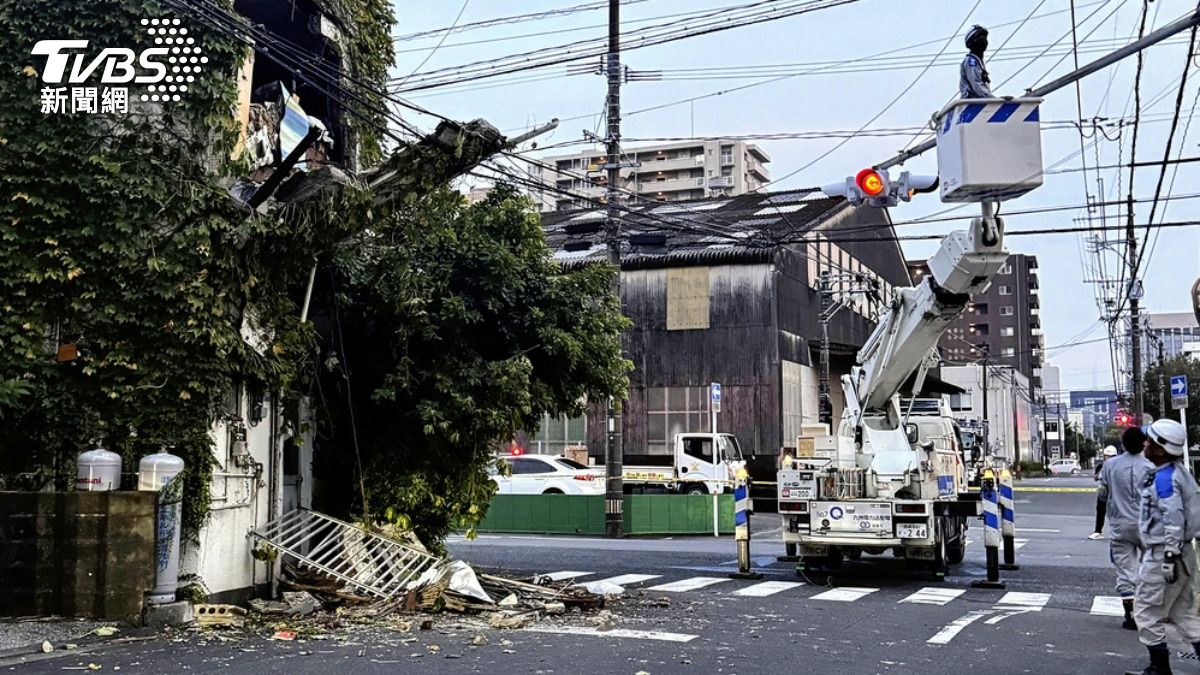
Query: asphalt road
<point x="875" y="616"/>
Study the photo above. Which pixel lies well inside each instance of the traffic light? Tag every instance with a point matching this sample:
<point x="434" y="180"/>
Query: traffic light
<point x="871" y="183"/>
<point x="876" y="188"/>
<point x="1123" y="419"/>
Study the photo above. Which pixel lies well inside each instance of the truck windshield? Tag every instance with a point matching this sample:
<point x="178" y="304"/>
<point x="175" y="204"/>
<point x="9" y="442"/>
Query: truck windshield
<point x="730" y="449"/>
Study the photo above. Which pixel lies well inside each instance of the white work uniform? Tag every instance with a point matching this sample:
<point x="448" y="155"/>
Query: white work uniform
<point x="973" y="79"/>
<point x="1167" y="525"/>
<point x="1121" y="481"/>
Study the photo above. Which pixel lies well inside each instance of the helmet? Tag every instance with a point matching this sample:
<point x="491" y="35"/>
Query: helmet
<point x="976" y="34"/>
<point x="1168" y="434"/>
<point x="1110" y="451"/>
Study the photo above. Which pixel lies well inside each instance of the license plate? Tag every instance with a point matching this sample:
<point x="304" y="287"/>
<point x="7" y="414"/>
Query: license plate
<point x="912" y="531"/>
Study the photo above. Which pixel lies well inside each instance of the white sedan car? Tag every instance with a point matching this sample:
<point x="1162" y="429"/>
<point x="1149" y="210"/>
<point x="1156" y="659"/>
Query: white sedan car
<point x="548" y="475"/>
<point x="1064" y="467"/>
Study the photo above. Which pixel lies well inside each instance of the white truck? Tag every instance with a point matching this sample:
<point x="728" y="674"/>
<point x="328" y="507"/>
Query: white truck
<point x="890" y="478"/>
<point x="695" y="468"/>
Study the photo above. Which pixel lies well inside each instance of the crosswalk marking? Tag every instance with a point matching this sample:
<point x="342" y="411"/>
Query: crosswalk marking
<point x="1107" y="605"/>
<point x="566" y="574"/>
<point x="690" y="584"/>
<point x="614" y="633"/>
<point x="631" y="579"/>
<point x="1033" y="601"/>
<point x="934" y="596"/>
<point x="766" y="588"/>
<point x="947" y="633"/>
<point x="844" y="594"/>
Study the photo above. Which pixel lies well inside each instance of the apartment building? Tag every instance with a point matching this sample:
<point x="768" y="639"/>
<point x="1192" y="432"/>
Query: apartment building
<point x="667" y="173"/>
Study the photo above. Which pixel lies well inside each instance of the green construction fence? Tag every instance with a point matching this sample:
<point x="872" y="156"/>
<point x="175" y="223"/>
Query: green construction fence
<point x="584" y="514"/>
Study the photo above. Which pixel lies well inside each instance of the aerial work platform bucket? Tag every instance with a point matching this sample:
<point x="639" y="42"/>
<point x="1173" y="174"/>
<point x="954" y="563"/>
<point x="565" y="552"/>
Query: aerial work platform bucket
<point x="989" y="148"/>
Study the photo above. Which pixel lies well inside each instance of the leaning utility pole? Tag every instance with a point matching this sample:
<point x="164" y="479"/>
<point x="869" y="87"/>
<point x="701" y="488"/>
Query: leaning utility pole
<point x="1135" y="322"/>
<point x="614" y="488"/>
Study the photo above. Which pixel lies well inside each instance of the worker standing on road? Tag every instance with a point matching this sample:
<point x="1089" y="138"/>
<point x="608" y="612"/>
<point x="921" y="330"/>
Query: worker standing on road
<point x="1168" y="522"/>
<point x="973" y="78"/>
<point x="1101" y="494"/>
<point x="1121" y="481"/>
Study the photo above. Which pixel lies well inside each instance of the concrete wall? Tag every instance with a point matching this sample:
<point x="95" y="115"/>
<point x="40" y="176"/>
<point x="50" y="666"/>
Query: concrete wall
<point x="88" y="554"/>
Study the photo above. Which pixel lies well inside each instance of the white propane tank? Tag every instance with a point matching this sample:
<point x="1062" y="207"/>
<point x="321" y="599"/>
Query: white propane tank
<point x="98" y="471"/>
<point x="154" y="473"/>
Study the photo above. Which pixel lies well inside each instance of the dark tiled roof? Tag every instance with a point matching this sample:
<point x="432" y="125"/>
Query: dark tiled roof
<point x="723" y="230"/>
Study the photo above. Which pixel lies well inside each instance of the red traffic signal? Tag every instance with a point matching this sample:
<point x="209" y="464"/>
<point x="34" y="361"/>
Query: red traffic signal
<point x="1123" y="419"/>
<point x="871" y="182"/>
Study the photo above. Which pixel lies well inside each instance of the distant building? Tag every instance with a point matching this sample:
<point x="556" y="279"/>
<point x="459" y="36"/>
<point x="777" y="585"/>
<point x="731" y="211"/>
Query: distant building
<point x="1087" y="421"/>
<point x="1168" y="335"/>
<point x="1103" y="402"/>
<point x="1004" y="322"/>
<point x="707" y="307"/>
<point x="667" y="173"/>
<point x="1052" y="385"/>
<point x="1009" y="413"/>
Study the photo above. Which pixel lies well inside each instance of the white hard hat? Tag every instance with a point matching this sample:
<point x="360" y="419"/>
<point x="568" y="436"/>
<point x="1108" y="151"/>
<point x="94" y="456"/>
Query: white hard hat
<point x="1168" y="434"/>
<point x="1110" y="451"/>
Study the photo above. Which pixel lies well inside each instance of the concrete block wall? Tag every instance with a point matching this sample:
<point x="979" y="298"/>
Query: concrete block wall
<point x="87" y="554"/>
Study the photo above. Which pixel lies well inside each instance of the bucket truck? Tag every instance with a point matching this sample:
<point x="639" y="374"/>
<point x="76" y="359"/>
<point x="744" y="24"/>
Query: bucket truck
<point x="889" y="478"/>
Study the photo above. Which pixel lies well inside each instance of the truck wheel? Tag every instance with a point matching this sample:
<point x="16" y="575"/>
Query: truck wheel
<point x="790" y="550"/>
<point x="939" y="566"/>
<point x="956" y="548"/>
<point x="696" y="490"/>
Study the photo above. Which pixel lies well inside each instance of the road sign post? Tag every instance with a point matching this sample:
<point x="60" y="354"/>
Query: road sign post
<point x="1179" y="401"/>
<point x="714" y="397"/>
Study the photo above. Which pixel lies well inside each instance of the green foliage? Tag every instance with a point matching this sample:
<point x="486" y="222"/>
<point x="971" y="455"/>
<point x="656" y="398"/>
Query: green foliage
<point x="460" y="330"/>
<point x="1028" y="468"/>
<point x="1158" y="388"/>
<point x="1084" y="447"/>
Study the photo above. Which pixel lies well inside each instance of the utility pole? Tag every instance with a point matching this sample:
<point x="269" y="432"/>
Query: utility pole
<point x="614" y="488"/>
<point x="987" y="441"/>
<point x="1135" y="323"/>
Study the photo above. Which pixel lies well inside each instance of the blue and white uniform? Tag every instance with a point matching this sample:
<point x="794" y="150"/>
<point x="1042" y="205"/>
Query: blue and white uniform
<point x="1167" y="525"/>
<point x="973" y="79"/>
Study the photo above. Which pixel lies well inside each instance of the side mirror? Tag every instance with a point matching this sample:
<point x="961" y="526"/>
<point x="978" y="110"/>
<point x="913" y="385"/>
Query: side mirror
<point x="912" y="432"/>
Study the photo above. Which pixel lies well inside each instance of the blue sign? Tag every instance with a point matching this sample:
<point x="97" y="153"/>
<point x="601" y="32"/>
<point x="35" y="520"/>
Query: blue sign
<point x="714" y="392"/>
<point x="1179" y="385"/>
<point x="836" y="513"/>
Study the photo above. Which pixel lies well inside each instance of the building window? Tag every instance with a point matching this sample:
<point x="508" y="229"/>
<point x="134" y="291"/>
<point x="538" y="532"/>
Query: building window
<point x="1006" y="290"/>
<point x="1008" y="351"/>
<point x="1007" y="331"/>
<point x="1006" y="311"/>
<point x="961" y="402"/>
<point x="556" y="434"/>
<point x="674" y="410"/>
<point x="1006" y="269"/>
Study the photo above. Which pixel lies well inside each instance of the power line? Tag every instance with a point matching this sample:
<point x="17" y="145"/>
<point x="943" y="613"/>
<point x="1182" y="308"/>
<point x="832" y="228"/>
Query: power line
<point x="504" y="20"/>
<point x="439" y="44"/>
<point x="717" y="21"/>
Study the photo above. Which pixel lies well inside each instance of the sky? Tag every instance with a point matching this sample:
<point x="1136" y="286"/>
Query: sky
<point x="898" y="89"/>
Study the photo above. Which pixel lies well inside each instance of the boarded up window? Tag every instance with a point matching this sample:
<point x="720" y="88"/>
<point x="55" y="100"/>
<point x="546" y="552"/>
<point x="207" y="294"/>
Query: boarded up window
<point x="687" y="298"/>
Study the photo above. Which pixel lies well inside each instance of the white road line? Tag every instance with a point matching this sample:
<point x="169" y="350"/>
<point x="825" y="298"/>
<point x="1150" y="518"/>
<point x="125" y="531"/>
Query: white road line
<point x="762" y="590"/>
<point x="1014" y="599"/>
<point x="615" y="633"/>
<point x="1040" y="529"/>
<point x="1018" y="543"/>
<point x="1107" y="605"/>
<point x="934" y="596"/>
<point x="566" y="574"/>
<point x="684" y="585"/>
<point x="844" y="594"/>
<point x="947" y="633"/>
<point x="631" y="579"/>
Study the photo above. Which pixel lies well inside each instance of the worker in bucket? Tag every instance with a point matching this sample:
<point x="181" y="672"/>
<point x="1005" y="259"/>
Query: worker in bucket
<point x="973" y="78"/>
<point x="1121" y="481"/>
<point x="1168" y="522"/>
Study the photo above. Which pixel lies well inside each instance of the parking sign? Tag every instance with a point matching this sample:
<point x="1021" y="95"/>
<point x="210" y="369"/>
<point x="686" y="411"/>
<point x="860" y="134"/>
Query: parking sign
<point x="1179" y="391"/>
<point x="714" y="394"/>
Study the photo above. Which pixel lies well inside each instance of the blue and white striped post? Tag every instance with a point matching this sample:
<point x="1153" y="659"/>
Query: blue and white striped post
<point x="1008" y="521"/>
<point x="991" y="530"/>
<point x="741" y="529"/>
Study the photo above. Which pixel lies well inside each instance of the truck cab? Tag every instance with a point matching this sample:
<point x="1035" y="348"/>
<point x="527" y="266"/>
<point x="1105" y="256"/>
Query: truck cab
<point x="702" y="463"/>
